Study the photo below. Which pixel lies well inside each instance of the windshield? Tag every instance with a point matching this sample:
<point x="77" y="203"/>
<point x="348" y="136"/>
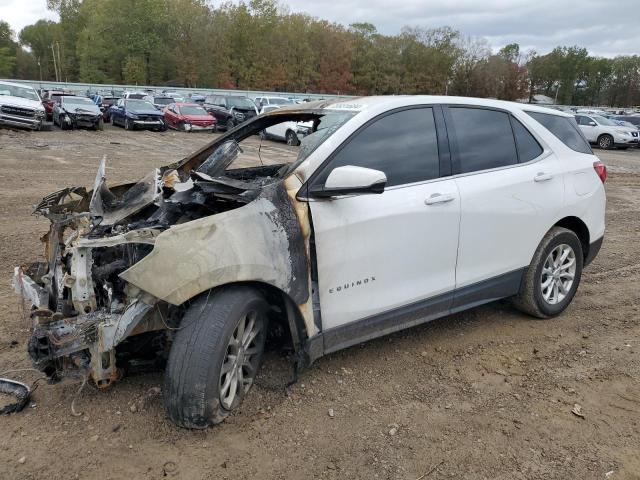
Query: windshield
<point x="604" y="121"/>
<point x="140" y="104"/>
<point x="163" y="100"/>
<point x="22" y="92"/>
<point x="192" y="110"/>
<point x="77" y="101"/>
<point x="240" y="102"/>
<point x="322" y="129"/>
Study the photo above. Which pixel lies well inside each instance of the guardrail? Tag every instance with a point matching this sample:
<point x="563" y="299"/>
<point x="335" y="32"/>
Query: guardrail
<point x="95" y="87"/>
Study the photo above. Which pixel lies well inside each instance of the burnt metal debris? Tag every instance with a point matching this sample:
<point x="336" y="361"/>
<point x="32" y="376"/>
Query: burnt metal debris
<point x="122" y="262"/>
<point x="19" y="390"/>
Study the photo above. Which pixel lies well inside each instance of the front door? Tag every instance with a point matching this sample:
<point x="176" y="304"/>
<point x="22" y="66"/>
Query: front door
<point x="397" y="250"/>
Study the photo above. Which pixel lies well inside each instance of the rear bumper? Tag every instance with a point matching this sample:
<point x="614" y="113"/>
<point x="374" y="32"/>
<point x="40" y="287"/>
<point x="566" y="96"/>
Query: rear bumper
<point x="594" y="248"/>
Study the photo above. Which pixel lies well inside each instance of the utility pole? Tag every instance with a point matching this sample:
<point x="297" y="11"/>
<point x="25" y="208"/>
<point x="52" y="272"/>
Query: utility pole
<point x="59" y="61"/>
<point x="55" y="65"/>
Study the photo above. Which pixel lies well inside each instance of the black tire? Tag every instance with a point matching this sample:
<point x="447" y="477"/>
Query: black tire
<point x="230" y="123"/>
<point x="100" y="125"/>
<point x="127" y="124"/>
<point x="215" y="128"/>
<point x="605" y="142"/>
<point x="291" y="138"/>
<point x="530" y="299"/>
<point x="192" y="393"/>
<point x="181" y="127"/>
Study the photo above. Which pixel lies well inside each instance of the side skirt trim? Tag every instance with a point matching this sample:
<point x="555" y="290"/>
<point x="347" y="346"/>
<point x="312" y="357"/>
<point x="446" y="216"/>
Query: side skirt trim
<point x="408" y="316"/>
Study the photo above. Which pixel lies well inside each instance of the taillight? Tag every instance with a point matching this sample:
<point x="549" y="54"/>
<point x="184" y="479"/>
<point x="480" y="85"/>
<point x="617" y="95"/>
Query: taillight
<point x="601" y="170"/>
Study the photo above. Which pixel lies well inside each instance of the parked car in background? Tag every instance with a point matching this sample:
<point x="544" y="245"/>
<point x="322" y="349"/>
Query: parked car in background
<point x="230" y="110"/>
<point x="177" y="96"/>
<point x="135" y="113"/>
<point x="73" y="112"/>
<point x="270" y="101"/>
<point x="20" y="106"/>
<point x="289" y="132"/>
<point x="196" y="98"/>
<point x="633" y="119"/>
<point x="135" y="95"/>
<point x="107" y="102"/>
<point x="606" y="133"/>
<point x="51" y="98"/>
<point x="160" y="101"/>
<point x="189" y="117"/>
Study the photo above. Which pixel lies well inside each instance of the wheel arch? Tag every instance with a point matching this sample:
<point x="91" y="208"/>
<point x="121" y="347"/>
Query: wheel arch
<point x="577" y="226"/>
<point x="285" y="312"/>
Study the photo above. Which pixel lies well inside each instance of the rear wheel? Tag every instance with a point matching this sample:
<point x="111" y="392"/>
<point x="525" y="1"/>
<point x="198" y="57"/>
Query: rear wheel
<point x="292" y="138"/>
<point x="215" y="356"/>
<point x="605" y="142"/>
<point x="553" y="277"/>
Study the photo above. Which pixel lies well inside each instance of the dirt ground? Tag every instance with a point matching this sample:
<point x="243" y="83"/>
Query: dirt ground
<point x="485" y="394"/>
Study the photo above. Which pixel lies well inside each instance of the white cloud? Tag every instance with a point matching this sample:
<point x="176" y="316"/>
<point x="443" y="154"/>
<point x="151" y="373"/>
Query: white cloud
<point x="20" y="13"/>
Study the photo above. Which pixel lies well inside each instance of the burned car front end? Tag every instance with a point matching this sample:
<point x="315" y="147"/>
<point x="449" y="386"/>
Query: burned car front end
<point x="121" y="263"/>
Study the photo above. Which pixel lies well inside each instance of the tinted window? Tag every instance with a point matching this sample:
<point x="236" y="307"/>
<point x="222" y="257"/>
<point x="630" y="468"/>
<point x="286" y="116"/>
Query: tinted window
<point x="565" y="129"/>
<point x="582" y="120"/>
<point x="403" y="145"/>
<point x="485" y="139"/>
<point x="528" y="146"/>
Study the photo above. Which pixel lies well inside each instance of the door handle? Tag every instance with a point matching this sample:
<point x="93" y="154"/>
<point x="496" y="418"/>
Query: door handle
<point x="542" y="177"/>
<point x="436" y="198"/>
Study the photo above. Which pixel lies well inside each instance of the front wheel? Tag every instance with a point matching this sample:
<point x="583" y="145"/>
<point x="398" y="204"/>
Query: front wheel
<point x="553" y="277"/>
<point x="230" y="123"/>
<point x="215" y="356"/>
<point x="127" y="124"/>
<point x="100" y="125"/>
<point x="605" y="142"/>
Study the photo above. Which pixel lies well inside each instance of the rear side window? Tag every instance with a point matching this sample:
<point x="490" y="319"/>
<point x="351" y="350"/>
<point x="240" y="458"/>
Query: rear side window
<point x="402" y="144"/>
<point x="528" y="146"/>
<point x="565" y="129"/>
<point x="484" y="137"/>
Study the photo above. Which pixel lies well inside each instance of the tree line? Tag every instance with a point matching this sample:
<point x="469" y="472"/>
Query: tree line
<point x="260" y="45"/>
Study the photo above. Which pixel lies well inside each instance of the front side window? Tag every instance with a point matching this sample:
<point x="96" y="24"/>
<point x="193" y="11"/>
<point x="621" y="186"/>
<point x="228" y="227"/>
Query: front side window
<point x="582" y="120"/>
<point x="402" y="144"/>
<point x="484" y="137"/>
<point x="565" y="129"/>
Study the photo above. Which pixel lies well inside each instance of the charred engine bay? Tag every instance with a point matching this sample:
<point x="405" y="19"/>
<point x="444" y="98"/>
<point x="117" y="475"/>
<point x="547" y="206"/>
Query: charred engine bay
<point x="96" y="235"/>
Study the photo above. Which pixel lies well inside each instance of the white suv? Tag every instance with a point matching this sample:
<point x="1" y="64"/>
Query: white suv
<point x="397" y="211"/>
<point x="606" y="133"/>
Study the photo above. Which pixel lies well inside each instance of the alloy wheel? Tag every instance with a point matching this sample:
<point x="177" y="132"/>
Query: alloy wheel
<point x="240" y="363"/>
<point x="558" y="273"/>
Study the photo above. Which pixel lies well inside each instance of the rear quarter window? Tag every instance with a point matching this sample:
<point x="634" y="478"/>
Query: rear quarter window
<point x="565" y="129"/>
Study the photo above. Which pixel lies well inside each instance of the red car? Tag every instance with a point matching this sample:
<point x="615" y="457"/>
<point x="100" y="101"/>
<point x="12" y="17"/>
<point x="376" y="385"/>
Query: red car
<point x="49" y="100"/>
<point x="188" y="117"/>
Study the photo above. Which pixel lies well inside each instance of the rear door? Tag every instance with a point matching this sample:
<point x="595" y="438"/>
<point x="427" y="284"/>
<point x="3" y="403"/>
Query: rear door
<point x="395" y="251"/>
<point x="511" y="191"/>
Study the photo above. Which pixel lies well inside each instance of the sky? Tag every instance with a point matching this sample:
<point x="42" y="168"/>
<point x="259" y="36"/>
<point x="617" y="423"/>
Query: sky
<point x="606" y="27"/>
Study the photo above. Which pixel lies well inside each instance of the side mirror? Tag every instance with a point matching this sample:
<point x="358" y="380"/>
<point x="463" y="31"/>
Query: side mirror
<point x="592" y="124"/>
<point x="351" y="180"/>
